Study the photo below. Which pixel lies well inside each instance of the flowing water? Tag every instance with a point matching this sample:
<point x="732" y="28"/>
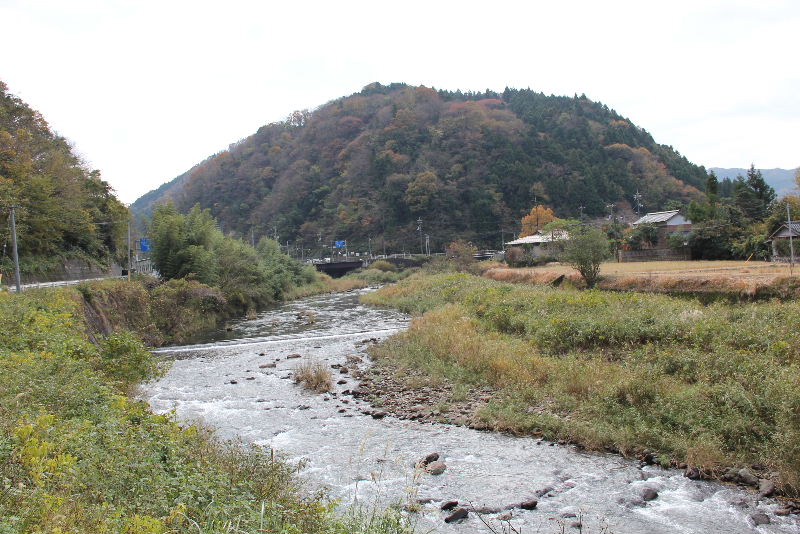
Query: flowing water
<point x="369" y="461"/>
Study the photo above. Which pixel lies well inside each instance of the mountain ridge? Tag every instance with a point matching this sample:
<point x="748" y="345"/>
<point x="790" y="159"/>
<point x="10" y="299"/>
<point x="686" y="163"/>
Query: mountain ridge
<point x="370" y="165"/>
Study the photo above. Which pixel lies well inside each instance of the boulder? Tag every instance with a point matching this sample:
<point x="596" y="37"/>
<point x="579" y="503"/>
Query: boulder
<point x="505" y="516"/>
<point x="380" y="414"/>
<point x="760" y="519"/>
<point x="692" y="473"/>
<point x="748" y="478"/>
<point x="766" y="488"/>
<point x="292" y="356"/>
<point x="436" y="468"/>
<point x="448" y="505"/>
<point x="530" y="504"/>
<point x="458" y="514"/>
<point x="649" y="494"/>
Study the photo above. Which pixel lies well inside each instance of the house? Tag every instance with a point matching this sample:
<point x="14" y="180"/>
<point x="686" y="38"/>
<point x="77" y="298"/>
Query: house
<point x="667" y="222"/>
<point x="535" y="244"/>
<point x="780" y="241"/>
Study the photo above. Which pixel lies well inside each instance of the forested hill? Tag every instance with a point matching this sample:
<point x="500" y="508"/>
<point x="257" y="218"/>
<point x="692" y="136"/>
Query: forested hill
<point x="468" y="165"/>
<point x="68" y="211"/>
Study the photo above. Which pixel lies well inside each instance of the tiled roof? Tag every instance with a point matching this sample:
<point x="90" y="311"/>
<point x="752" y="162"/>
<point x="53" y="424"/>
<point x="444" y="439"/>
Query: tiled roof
<point x="657" y="217"/>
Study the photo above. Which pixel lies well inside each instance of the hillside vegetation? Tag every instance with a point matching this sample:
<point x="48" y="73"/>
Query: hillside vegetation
<point x="468" y="164"/>
<point x="68" y="211"/>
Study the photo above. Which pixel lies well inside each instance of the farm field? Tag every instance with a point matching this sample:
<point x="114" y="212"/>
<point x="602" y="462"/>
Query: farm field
<point x="763" y="279"/>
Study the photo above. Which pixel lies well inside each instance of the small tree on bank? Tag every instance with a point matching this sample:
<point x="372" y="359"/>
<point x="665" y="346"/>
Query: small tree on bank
<point x="585" y="249"/>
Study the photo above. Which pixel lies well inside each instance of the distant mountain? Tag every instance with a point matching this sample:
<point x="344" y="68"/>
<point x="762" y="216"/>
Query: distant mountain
<point x="781" y="180"/>
<point x="367" y="167"/>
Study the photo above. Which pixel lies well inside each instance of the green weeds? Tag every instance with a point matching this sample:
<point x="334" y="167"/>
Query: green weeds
<point x="77" y="455"/>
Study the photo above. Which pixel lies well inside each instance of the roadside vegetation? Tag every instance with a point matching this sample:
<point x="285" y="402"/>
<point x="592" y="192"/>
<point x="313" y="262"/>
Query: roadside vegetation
<point x="708" y="386"/>
<point x="77" y="454"/>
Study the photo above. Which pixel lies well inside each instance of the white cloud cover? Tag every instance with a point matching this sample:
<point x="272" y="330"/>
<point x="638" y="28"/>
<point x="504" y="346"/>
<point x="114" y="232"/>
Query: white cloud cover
<point x="146" y="89"/>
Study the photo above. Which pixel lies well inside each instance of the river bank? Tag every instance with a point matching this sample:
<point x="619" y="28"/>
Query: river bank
<point x="79" y="454"/>
<point x="358" y="452"/>
<point x="705" y="388"/>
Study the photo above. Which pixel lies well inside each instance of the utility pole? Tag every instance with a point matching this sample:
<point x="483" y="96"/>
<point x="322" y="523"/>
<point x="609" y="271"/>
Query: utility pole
<point x="791" y="243"/>
<point x="129" y="250"/>
<point x="14" y="243"/>
<point x="427" y="245"/>
<point x="419" y="229"/>
<point x="637" y="198"/>
<point x="369" y="246"/>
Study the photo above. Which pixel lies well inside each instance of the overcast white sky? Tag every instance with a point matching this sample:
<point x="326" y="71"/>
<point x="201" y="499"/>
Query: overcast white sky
<point x="146" y="89"/>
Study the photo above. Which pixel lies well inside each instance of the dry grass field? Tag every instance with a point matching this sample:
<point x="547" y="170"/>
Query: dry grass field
<point x="740" y="277"/>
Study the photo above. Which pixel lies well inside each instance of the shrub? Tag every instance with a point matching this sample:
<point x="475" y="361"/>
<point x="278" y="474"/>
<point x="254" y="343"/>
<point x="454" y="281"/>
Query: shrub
<point x="314" y="375"/>
<point x="383" y="265"/>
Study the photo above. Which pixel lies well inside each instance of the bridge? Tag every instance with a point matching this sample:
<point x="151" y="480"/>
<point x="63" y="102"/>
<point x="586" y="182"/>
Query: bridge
<point x="338" y="268"/>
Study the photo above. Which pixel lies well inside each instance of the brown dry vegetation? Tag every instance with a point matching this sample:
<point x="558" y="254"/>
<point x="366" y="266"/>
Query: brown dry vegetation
<point x="314" y="375"/>
<point x="736" y="278"/>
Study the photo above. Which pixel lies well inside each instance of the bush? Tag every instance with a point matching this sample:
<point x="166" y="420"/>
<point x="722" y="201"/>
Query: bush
<point x="383" y="265"/>
<point x="314" y="375"/>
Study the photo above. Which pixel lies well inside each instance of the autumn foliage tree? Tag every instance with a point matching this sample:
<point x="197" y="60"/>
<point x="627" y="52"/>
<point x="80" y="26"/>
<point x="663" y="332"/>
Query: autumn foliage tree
<point x="536" y="219"/>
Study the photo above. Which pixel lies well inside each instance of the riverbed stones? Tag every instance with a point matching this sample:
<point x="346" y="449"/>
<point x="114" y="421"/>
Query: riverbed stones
<point x="530" y="504"/>
<point x="748" y="478"/>
<point x="760" y="519"/>
<point x="267" y="365"/>
<point x="649" y="494"/>
<point x="342" y="381"/>
<point x="448" y="505"/>
<point x="459" y="514"/>
<point x="293" y="356"/>
<point x="378" y="414"/>
<point x="505" y="516"/>
<point x="436" y="468"/>
<point x="766" y="488"/>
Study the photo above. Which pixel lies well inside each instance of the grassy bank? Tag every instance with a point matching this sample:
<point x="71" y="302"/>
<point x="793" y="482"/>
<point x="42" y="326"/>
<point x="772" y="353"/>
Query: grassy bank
<point x="710" y="386"/>
<point x="79" y="455"/>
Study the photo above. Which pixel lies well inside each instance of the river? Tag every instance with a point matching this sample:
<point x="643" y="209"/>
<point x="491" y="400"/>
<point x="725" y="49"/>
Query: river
<point x="361" y="459"/>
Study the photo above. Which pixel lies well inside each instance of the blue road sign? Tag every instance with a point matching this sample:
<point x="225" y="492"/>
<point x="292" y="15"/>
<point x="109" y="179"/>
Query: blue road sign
<point x="340" y="244"/>
<point x="144" y="244"/>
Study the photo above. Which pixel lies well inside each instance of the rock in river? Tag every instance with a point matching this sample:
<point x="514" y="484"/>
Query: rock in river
<point x="436" y="468"/>
<point x="457" y="515"/>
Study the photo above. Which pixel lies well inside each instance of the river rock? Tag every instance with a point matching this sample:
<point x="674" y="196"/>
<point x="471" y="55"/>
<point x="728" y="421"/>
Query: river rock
<point x="448" y="505"/>
<point x="530" y="504"/>
<point x="766" y="488"/>
<point x="649" y="494"/>
<point x="342" y="381"/>
<point x="292" y="356"/>
<point x="748" y="478"/>
<point x="692" y="473"/>
<point x="267" y="365"/>
<point x="250" y="378"/>
<point x="505" y="516"/>
<point x="344" y="370"/>
<point x="380" y="414"/>
<point x="458" y="514"/>
<point x="436" y="468"/>
<point x="760" y="519"/>
<point x="233" y="382"/>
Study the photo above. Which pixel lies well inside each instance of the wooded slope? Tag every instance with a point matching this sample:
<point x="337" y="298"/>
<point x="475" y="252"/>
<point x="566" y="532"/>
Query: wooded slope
<point x="468" y="164"/>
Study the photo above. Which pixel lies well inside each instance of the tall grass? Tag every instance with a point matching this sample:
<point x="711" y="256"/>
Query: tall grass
<point x="711" y="386"/>
<point x="314" y="375"/>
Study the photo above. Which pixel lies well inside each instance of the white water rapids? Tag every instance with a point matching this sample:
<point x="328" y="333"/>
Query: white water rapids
<point x="358" y="458"/>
